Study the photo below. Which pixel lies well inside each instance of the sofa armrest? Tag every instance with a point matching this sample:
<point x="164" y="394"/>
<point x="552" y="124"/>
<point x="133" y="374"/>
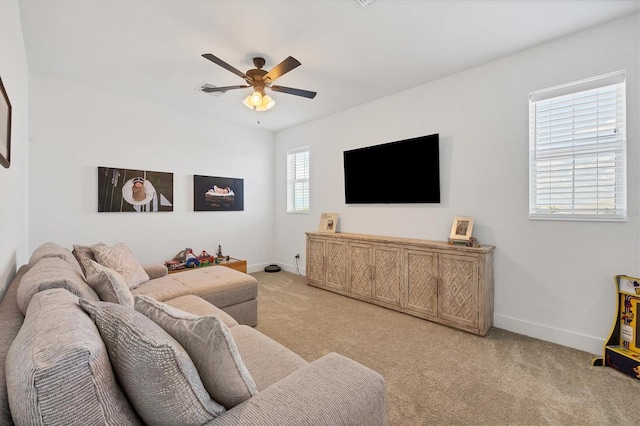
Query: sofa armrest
<point x="333" y="390"/>
<point x="155" y="270"/>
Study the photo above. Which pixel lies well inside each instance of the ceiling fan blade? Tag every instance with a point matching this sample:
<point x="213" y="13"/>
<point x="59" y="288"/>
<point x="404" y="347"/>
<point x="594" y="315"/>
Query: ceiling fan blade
<point x="224" y="65"/>
<point x="282" y="68"/>
<point x="292" y="91"/>
<point x="221" y="89"/>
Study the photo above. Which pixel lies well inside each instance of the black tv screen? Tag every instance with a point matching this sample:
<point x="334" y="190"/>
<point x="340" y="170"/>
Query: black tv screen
<point x="406" y="171"/>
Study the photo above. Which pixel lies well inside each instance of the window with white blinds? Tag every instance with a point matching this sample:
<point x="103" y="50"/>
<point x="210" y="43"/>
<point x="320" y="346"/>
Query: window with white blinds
<point x="298" y="180"/>
<point x="577" y="150"/>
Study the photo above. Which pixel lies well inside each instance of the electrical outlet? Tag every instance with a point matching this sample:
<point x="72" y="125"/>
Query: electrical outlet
<point x="297" y="256"/>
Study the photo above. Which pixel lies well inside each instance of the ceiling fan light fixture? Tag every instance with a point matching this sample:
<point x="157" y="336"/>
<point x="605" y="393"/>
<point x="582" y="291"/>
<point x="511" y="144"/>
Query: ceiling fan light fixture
<point x="256" y="98"/>
<point x="247" y="102"/>
<point x="267" y="103"/>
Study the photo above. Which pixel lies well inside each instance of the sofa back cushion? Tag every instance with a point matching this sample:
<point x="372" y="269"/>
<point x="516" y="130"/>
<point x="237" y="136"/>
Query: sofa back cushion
<point x="48" y="273"/>
<point x="54" y="250"/>
<point x="210" y="345"/>
<point x="121" y="259"/>
<point x="108" y="284"/>
<point x="58" y="369"/>
<point x="155" y="372"/>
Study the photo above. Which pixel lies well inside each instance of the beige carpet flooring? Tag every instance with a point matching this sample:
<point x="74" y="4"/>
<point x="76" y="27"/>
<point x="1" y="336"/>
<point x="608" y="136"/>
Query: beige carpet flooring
<point x="437" y="375"/>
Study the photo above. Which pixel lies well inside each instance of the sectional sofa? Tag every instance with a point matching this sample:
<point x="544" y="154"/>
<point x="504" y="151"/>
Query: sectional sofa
<point x="93" y="337"/>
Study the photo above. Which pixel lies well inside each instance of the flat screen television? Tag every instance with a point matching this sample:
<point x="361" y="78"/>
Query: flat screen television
<point x="406" y="171"/>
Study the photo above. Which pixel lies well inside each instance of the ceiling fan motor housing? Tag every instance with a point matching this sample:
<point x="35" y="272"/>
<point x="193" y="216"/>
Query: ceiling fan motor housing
<point x="256" y="77"/>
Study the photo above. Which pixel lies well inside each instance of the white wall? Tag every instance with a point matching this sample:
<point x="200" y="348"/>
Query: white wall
<point x="13" y="181"/>
<point x="553" y="280"/>
<point x="75" y="129"/>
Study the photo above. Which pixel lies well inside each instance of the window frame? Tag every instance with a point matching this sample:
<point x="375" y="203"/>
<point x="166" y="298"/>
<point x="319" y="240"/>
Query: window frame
<point x="573" y="159"/>
<point x="294" y="181"/>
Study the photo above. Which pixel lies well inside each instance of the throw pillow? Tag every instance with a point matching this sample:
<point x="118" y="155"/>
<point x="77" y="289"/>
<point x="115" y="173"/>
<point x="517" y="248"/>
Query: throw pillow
<point x="84" y="254"/>
<point x="211" y="347"/>
<point x="109" y="284"/>
<point x="54" y="250"/>
<point x="58" y="369"/>
<point x="155" y="372"/>
<point x="48" y="273"/>
<point x="121" y="259"/>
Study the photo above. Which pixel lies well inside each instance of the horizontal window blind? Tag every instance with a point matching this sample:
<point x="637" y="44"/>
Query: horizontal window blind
<point x="298" y="180"/>
<point x="577" y="150"/>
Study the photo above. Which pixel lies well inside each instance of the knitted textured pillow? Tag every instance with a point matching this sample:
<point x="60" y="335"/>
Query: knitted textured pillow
<point x="109" y="284"/>
<point x="155" y="372"/>
<point x="84" y="254"/>
<point x="211" y="347"/>
<point x="121" y="259"/>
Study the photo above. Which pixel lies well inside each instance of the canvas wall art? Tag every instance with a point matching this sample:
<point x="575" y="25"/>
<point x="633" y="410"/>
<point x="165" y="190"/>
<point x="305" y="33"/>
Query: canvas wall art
<point x="211" y="193"/>
<point x="128" y="190"/>
<point x="5" y="127"/>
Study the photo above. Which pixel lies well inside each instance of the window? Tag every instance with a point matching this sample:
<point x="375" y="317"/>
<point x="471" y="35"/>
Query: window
<point x="577" y="150"/>
<point x="298" y="180"/>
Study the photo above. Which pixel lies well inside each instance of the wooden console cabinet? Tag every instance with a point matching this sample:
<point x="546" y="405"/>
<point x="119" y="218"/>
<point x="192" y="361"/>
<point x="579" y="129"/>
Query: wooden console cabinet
<point x="451" y="285"/>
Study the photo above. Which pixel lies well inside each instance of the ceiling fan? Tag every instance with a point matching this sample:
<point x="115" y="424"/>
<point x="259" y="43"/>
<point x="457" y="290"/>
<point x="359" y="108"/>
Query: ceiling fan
<point x="260" y="80"/>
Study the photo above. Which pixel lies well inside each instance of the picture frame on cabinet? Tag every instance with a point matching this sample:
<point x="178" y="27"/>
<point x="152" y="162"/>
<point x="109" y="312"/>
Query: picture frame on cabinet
<point x="328" y="223"/>
<point x="5" y="127"/>
<point x="462" y="228"/>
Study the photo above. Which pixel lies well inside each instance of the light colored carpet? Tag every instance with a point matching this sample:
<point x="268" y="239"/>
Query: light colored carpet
<point x="437" y="375"/>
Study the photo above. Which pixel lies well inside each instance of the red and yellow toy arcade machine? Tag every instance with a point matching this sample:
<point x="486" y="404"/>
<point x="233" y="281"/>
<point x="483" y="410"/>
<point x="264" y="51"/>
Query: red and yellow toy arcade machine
<point x="622" y="349"/>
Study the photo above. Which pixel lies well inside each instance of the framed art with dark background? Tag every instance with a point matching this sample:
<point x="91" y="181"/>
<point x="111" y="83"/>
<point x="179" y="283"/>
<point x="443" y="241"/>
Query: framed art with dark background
<point x="214" y="193"/>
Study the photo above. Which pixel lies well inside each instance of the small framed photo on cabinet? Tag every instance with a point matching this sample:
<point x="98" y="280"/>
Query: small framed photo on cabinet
<point x="462" y="228"/>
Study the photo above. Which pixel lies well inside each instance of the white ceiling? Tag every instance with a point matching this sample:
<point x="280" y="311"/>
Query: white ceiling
<point x="151" y="49"/>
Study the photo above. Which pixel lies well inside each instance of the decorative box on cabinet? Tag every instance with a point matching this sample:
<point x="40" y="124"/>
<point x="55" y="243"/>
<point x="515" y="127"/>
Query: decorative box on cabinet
<point x="451" y="285"/>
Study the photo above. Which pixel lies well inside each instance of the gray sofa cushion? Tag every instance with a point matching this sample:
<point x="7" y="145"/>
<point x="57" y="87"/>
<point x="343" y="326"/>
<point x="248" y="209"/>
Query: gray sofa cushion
<point x="11" y="319"/>
<point x="108" y="284"/>
<point x="155" y="372"/>
<point x="218" y="285"/>
<point x="210" y="345"/>
<point x="121" y="259"/>
<point x="54" y="250"/>
<point x="267" y="360"/>
<point x="58" y="369"/>
<point x="198" y="306"/>
<point x="48" y="273"/>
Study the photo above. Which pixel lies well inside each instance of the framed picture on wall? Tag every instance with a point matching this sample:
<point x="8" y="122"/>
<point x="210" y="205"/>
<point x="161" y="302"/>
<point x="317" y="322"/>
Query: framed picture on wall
<point x="215" y="193"/>
<point x="5" y="127"/>
<point x="461" y="228"/>
<point x="129" y="190"/>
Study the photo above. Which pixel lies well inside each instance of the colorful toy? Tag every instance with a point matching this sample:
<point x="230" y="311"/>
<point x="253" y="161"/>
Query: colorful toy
<point x="191" y="259"/>
<point x="622" y="349"/>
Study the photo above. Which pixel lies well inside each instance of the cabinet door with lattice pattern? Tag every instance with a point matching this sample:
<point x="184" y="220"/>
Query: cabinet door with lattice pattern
<point x="315" y="261"/>
<point x="421" y="282"/>
<point x="458" y="289"/>
<point x="336" y="275"/>
<point x="387" y="274"/>
<point x="360" y="270"/>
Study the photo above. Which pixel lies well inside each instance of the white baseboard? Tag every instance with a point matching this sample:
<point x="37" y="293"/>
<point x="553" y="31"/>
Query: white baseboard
<point x="568" y="338"/>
